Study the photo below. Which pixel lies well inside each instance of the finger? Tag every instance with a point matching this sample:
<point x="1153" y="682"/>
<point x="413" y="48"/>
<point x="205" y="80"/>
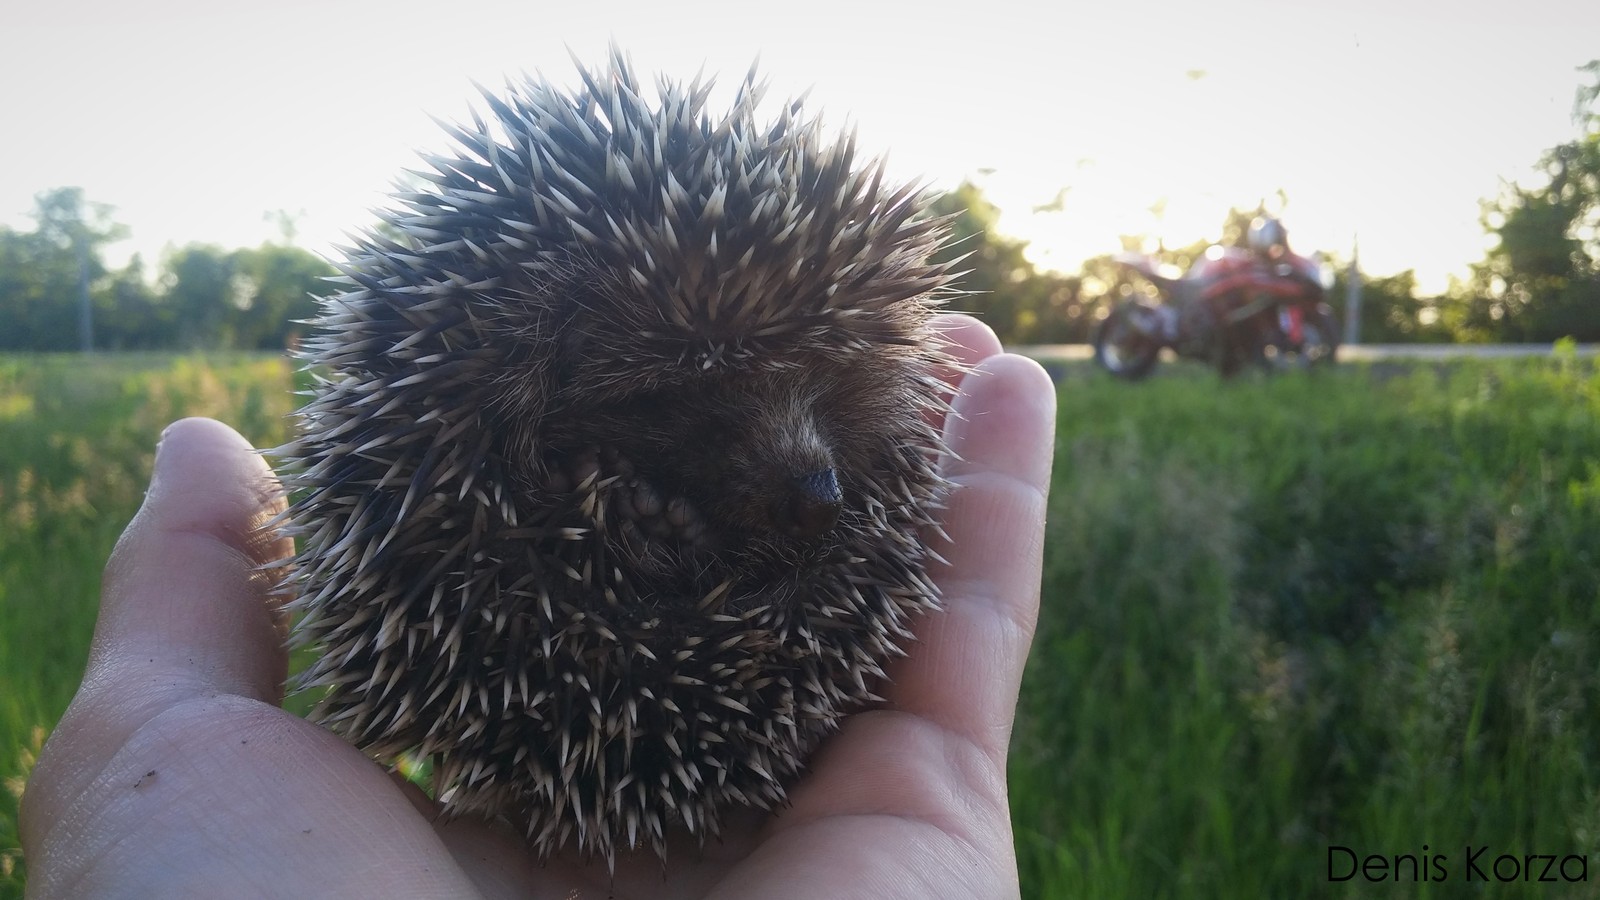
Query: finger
<point x="967" y="342"/>
<point x="899" y="807"/>
<point x="184" y="609"/>
<point x="964" y="671"/>
<point x="175" y="739"/>
<point x="186" y="591"/>
<point x="184" y="573"/>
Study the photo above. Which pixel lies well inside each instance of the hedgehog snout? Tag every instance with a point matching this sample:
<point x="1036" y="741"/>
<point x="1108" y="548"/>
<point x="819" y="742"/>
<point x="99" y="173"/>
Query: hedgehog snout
<point x="811" y="505"/>
<point x="790" y="470"/>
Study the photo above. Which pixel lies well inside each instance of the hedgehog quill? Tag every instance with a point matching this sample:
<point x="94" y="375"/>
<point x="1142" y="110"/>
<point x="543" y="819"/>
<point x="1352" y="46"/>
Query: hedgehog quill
<point x="612" y="490"/>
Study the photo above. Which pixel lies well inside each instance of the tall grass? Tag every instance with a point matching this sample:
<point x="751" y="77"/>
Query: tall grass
<point x="1309" y="613"/>
<point x="1355" y="610"/>
<point x="77" y="437"/>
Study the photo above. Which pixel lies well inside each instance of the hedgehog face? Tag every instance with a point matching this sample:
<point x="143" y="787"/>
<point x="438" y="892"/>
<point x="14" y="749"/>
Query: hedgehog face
<point x="613" y="489"/>
<point x="771" y="460"/>
<point x="754" y="457"/>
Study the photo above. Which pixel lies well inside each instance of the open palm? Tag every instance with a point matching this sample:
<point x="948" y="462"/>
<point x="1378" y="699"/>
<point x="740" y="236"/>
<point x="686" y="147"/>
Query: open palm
<point x="175" y="772"/>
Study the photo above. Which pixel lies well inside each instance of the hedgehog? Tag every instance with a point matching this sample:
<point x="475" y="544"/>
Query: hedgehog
<point x="614" y="484"/>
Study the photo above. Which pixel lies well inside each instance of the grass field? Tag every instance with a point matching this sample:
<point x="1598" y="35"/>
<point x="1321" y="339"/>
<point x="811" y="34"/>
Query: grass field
<point x="1357" y="610"/>
<point x="76" y="441"/>
<point x="1336" y="612"/>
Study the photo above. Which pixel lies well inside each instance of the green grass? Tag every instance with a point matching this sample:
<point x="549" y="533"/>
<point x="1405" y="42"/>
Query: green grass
<point x="1341" y="611"/>
<point x="77" y="438"/>
<point x="1354" y="610"/>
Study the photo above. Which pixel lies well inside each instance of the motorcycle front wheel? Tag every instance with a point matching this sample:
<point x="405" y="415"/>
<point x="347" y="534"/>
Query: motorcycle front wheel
<point x="1122" y="348"/>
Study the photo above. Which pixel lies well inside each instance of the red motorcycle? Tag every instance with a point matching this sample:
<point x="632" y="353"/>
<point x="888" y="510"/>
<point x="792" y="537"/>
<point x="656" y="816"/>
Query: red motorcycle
<point x="1234" y="307"/>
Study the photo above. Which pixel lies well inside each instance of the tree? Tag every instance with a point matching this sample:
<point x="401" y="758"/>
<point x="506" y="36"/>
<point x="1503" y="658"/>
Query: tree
<point x="206" y="296"/>
<point x="1541" y="281"/>
<point x="274" y="287"/>
<point x="197" y="285"/>
<point x="1020" y="303"/>
<point x="1391" y="311"/>
<point x="245" y="299"/>
<point x="130" y="315"/>
<point x="43" y="272"/>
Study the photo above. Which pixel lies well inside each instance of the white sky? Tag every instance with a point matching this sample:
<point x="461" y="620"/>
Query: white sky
<point x="195" y="117"/>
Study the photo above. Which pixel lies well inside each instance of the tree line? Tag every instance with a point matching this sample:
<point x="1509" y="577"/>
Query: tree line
<point x="57" y="292"/>
<point x="1540" y="281"/>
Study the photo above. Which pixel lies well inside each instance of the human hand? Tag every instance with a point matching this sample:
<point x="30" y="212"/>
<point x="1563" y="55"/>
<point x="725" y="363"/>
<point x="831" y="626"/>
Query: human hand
<point x="175" y="772"/>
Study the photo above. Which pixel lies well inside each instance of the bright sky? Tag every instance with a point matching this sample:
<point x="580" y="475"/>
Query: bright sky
<point x="194" y="117"/>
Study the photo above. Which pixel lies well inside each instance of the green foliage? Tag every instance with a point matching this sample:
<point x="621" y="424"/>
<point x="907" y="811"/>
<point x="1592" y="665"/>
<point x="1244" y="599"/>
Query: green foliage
<point x="41" y="272"/>
<point x="273" y="287"/>
<point x="1022" y="305"/>
<point x="1355" y="610"/>
<point x="1392" y="311"/>
<point x="1541" y="280"/>
<point x="198" y="287"/>
<point x="79" y="438"/>
<point x="204" y="297"/>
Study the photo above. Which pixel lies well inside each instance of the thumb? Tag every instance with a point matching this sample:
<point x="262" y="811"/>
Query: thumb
<point x="183" y="681"/>
<point x="187" y="591"/>
<point x="185" y="609"/>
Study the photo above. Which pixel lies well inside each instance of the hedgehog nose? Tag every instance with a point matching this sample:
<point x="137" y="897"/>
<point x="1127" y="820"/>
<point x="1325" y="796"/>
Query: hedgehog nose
<point x="812" y="505"/>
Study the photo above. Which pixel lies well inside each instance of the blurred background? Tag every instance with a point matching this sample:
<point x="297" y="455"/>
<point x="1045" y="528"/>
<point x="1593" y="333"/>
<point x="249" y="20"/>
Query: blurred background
<point x="184" y="147"/>
<point x="1282" y="616"/>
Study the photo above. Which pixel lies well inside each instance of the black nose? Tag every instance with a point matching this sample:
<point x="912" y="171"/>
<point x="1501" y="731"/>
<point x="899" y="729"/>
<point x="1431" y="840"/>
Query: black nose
<point x="812" y="504"/>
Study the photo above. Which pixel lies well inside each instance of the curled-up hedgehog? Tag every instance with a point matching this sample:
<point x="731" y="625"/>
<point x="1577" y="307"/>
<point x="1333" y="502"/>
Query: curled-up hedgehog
<point x="613" y="485"/>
